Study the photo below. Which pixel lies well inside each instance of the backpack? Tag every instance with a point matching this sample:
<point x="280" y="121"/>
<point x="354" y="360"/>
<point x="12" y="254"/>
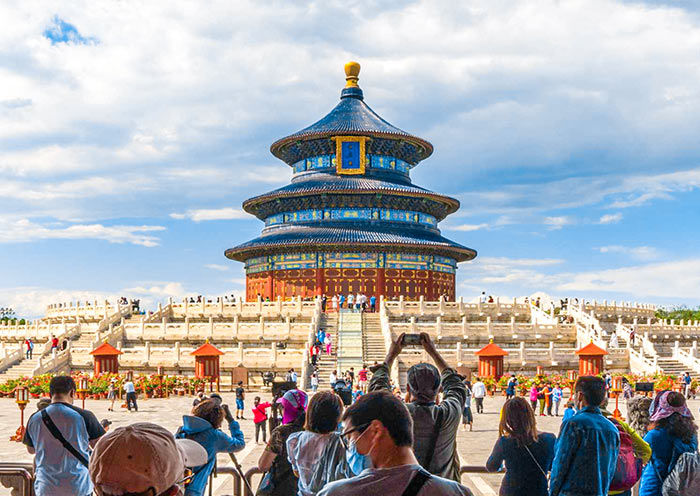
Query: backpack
<point x="629" y="468"/>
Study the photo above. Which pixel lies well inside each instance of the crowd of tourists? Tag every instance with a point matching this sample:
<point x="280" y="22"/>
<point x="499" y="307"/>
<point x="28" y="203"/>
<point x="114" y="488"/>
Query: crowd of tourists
<point x="376" y="442"/>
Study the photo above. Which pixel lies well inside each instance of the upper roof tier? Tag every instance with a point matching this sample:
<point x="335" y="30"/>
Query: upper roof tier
<point x="352" y="116"/>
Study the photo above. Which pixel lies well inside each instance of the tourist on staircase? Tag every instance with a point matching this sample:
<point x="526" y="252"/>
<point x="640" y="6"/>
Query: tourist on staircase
<point x="527" y="453"/>
<point x="434" y="426"/>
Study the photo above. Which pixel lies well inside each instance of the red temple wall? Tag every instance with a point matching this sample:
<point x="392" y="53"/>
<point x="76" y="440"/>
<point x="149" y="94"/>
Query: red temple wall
<point x="391" y="283"/>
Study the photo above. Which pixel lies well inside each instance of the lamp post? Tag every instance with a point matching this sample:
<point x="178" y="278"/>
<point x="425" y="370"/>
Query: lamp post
<point x="571" y="376"/>
<point x="83" y="389"/>
<point x="616" y="390"/>
<point x="22" y="399"/>
<point x="161" y="372"/>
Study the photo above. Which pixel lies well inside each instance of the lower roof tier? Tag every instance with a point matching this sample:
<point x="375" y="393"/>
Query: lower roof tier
<point x="310" y="238"/>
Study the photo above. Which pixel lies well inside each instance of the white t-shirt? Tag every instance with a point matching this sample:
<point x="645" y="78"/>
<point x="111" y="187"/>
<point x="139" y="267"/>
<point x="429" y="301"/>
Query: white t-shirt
<point x="479" y="390"/>
<point x="392" y="482"/>
<point x="129" y="387"/>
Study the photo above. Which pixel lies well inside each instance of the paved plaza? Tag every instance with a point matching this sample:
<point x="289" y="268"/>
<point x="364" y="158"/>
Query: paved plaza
<point x="474" y="447"/>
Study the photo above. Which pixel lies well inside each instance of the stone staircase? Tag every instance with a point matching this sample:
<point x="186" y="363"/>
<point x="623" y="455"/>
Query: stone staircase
<point x="326" y="363"/>
<point x="349" y="340"/>
<point x="23" y="368"/>
<point x="373" y="346"/>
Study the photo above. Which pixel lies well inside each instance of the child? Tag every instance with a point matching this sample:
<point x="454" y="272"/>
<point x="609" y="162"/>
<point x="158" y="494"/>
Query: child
<point x="260" y="418"/>
<point x="314" y="382"/>
<point x="357" y="393"/>
<point x="569" y="412"/>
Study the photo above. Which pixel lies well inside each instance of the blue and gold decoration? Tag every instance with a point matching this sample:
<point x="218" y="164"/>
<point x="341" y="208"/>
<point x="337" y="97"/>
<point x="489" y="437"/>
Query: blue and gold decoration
<point x="351" y="220"/>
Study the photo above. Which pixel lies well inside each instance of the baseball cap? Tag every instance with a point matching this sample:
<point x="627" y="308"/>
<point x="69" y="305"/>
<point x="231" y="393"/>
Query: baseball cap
<point x="140" y="456"/>
<point x="424" y="382"/>
<point x="105" y="423"/>
<point x="216" y="397"/>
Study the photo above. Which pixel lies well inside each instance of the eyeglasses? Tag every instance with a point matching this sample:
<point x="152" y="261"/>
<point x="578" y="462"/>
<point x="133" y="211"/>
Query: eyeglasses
<point x="343" y="435"/>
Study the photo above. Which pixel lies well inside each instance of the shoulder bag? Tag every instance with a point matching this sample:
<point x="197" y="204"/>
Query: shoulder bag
<point x="59" y="437"/>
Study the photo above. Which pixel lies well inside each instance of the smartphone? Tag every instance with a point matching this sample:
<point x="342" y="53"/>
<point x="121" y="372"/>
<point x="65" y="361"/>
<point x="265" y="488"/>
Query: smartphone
<point x="411" y="340"/>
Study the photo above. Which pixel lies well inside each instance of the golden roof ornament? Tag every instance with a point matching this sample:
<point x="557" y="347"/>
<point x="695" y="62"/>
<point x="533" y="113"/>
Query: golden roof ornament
<point x="352" y="72"/>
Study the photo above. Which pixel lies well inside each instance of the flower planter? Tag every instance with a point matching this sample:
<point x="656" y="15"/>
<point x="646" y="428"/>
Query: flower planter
<point x="34" y="395"/>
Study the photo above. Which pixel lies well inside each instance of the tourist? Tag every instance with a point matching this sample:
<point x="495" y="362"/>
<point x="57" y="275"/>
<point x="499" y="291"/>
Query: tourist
<point x="358" y="302"/>
<point x="684" y="479"/>
<point x="105" y="424"/>
<point x="60" y="471"/>
<point x="510" y="387"/>
<point x="334" y="303"/>
<point x="362" y="378"/>
<point x="557" y="394"/>
<point x="54" y="344"/>
<point x="329" y="344"/>
<point x="130" y="391"/>
<point x="324" y="302"/>
<point x="373" y="303"/>
<point x="30" y="348"/>
<point x="569" y="411"/>
<point x="314" y="354"/>
<point x="379" y="426"/>
<point x="143" y="458"/>
<point x="42" y="403"/>
<point x="434" y="426"/>
<point x="687" y="380"/>
<point x="316" y="454"/>
<point x="479" y="393"/>
<point x="631" y="445"/>
<point x="483" y="298"/>
<point x="351" y="302"/>
<point x="673" y="434"/>
<point x="260" y="418"/>
<point x="203" y="426"/>
<point x="199" y="398"/>
<point x="321" y="337"/>
<point x="333" y="379"/>
<point x="534" y="393"/>
<point x="314" y="382"/>
<point x="613" y="343"/>
<point x="279" y="479"/>
<point x="526" y="452"/>
<point x="240" y="401"/>
<point x="356" y="393"/>
<point x="587" y="448"/>
<point x="341" y="300"/>
<point x="467" y="417"/>
<point x="291" y="376"/>
<point x="548" y="391"/>
<point x="112" y="393"/>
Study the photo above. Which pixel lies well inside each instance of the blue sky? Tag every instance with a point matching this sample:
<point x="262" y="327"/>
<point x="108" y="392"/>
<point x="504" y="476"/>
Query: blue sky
<point x="130" y="134"/>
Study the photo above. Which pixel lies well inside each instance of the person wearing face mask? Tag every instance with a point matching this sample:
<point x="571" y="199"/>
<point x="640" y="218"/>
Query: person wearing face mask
<point x="316" y="454"/>
<point x="586" y="452"/>
<point x="434" y="426"/>
<point x="379" y="426"/>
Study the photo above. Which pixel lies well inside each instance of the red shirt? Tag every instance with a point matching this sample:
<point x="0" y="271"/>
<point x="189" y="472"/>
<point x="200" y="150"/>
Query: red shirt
<point x="259" y="414"/>
<point x="362" y="375"/>
<point x="54" y="343"/>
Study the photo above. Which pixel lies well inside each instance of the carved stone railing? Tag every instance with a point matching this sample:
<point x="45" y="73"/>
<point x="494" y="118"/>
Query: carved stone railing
<point x="224" y="309"/>
<point x="90" y="311"/>
<point x="688" y="358"/>
<point x="422" y="307"/>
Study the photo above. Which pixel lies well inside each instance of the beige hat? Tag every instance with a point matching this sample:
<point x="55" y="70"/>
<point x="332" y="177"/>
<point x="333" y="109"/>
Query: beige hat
<point x="134" y="458"/>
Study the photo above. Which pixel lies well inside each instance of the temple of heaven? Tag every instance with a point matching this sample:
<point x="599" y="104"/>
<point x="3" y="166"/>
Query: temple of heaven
<point x="351" y="220"/>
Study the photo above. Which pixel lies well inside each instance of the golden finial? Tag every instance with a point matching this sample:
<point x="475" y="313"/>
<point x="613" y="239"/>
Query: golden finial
<point x="491" y="341"/>
<point x="352" y="71"/>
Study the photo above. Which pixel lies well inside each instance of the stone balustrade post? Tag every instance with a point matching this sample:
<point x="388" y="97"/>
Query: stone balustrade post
<point x="177" y="352"/>
<point x="273" y="353"/>
<point x="438" y="326"/>
<point x="521" y="350"/>
<point x="413" y="325"/>
<point x="512" y="324"/>
<point x="148" y="351"/>
<point x="239" y="352"/>
<point x="498" y="305"/>
<point x="261" y="325"/>
<point x="489" y="326"/>
<point x="648" y="321"/>
<point x="300" y="305"/>
<point x="421" y="305"/>
<point x="163" y="327"/>
<point x="204" y="305"/>
<point x="288" y="325"/>
<point x="142" y="326"/>
<point x="210" y="329"/>
<point x="464" y="325"/>
<point x="441" y="304"/>
<point x="235" y="325"/>
<point x="694" y="349"/>
<point x="461" y="305"/>
<point x="221" y="306"/>
<point x="551" y="353"/>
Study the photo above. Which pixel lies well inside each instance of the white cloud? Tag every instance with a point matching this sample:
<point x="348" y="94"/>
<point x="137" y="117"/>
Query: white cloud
<point x="637" y="252"/>
<point x="159" y="291"/>
<point x="31" y="302"/>
<point x="610" y="218"/>
<point x="555" y="223"/>
<point x="676" y="279"/>
<point x="212" y="214"/>
<point x="466" y="227"/>
<point x="221" y="268"/>
<point x="24" y="230"/>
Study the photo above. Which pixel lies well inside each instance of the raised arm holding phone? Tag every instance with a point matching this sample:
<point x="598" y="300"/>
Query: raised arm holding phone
<point x="434" y="426"/>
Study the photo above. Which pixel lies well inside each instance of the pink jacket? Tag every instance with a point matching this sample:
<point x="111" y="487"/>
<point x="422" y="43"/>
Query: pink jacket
<point x="533" y="394"/>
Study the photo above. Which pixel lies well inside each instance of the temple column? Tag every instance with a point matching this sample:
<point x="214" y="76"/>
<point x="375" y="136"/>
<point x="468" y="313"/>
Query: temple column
<point x="320" y="281"/>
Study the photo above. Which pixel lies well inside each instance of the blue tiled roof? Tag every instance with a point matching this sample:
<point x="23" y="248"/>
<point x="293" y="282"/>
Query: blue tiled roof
<point x="309" y="237"/>
<point x="352" y="116"/>
<point x="330" y="183"/>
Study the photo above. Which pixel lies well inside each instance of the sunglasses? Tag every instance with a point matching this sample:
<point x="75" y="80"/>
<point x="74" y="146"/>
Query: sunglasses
<point x="343" y="435"/>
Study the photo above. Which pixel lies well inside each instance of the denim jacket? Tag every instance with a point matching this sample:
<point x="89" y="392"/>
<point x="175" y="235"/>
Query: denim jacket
<point x="585" y="455"/>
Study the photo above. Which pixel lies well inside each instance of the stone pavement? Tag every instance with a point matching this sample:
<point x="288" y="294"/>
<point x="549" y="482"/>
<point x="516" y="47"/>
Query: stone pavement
<point x="474" y="447"/>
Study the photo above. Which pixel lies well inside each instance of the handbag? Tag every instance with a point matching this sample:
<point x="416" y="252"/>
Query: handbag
<point x="546" y="476"/>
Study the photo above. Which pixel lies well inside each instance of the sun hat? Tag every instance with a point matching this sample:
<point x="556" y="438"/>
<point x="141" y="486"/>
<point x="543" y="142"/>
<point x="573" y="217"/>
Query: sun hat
<point x="664" y="409"/>
<point x="141" y="456"/>
<point x="424" y="382"/>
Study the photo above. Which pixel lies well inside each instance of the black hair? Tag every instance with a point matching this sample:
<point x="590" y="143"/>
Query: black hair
<point x="593" y="389"/>
<point x="389" y="410"/>
<point x="61" y="384"/>
<point x="323" y="412"/>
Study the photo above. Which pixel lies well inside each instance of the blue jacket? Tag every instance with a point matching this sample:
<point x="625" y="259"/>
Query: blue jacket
<point x="214" y="441"/>
<point x="585" y="455"/>
<point x="665" y="451"/>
